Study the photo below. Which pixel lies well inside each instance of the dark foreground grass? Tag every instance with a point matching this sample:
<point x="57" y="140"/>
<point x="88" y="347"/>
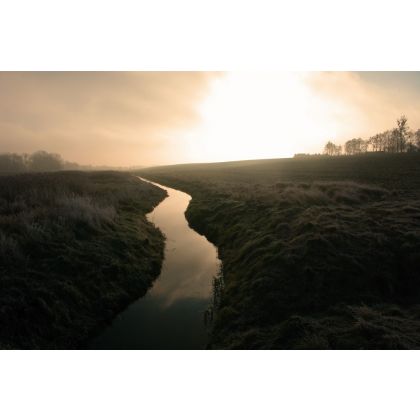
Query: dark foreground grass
<point x="75" y="249"/>
<point x="317" y="253"/>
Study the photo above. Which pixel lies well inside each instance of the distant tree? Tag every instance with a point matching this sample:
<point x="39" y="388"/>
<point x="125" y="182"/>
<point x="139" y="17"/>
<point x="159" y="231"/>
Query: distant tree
<point x="355" y="146"/>
<point x="42" y="161"/>
<point x="411" y="147"/>
<point x="374" y="142"/>
<point x="364" y="146"/>
<point x="416" y="139"/>
<point x="12" y="162"/>
<point x="386" y="141"/>
<point x="382" y="142"/>
<point x="401" y="134"/>
<point x="330" y="149"/>
<point x="393" y="141"/>
<point x="348" y="147"/>
<point x="337" y="150"/>
<point x="410" y="144"/>
<point x="398" y="140"/>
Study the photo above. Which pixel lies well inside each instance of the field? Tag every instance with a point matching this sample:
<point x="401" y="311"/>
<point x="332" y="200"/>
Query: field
<point x="75" y="249"/>
<point x="320" y="252"/>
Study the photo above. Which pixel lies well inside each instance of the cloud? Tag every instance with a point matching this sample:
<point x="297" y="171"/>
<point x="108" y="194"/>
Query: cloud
<point x="134" y="118"/>
<point x="118" y="118"/>
<point x="368" y="102"/>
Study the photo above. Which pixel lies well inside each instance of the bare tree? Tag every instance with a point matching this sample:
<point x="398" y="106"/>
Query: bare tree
<point x="401" y="134"/>
<point x="375" y="142"/>
<point x="329" y="148"/>
<point x="355" y="146"/>
<point x="398" y="140"/>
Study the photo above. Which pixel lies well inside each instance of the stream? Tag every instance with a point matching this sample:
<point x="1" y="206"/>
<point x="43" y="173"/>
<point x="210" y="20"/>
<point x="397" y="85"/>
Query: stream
<point x="171" y="314"/>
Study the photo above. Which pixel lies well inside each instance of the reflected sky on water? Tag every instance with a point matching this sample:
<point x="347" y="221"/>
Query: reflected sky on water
<point x="170" y="316"/>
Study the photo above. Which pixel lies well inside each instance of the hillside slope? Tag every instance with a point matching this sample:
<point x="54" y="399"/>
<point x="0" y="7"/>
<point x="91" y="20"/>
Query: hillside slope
<point x="317" y="253"/>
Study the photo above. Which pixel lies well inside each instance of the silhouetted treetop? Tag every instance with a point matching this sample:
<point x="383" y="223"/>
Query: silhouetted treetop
<point x="398" y="140"/>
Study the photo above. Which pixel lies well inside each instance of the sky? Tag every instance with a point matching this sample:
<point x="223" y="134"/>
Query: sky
<point x="152" y="118"/>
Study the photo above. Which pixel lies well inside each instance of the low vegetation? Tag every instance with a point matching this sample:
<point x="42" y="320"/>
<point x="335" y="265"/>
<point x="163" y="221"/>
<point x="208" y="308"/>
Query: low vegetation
<point x="317" y="253"/>
<point x="75" y="249"/>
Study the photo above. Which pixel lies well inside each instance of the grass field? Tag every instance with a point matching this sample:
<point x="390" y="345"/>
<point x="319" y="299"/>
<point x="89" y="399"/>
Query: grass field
<point x="321" y="252"/>
<point x="75" y="249"/>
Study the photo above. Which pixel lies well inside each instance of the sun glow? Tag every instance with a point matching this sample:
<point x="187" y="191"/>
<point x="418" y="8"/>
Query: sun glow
<point x="263" y="115"/>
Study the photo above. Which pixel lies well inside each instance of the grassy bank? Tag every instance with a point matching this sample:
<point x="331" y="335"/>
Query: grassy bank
<point x="75" y="249"/>
<point x="317" y="253"/>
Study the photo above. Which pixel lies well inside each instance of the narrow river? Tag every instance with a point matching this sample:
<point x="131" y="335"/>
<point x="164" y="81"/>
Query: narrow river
<point x="171" y="314"/>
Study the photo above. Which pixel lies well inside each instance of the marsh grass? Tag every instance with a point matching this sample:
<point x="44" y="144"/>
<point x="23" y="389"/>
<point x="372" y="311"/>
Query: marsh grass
<point x="75" y="249"/>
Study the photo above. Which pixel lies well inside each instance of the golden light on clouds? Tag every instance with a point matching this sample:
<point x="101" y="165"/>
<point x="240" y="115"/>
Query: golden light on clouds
<point x="149" y="118"/>
<point x="277" y="114"/>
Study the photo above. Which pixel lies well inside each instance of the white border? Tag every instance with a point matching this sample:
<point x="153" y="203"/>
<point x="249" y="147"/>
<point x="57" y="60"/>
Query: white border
<point x="209" y="35"/>
<point x="209" y="385"/>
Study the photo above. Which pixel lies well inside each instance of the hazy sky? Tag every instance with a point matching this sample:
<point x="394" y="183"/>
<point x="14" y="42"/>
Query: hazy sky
<point x="145" y="118"/>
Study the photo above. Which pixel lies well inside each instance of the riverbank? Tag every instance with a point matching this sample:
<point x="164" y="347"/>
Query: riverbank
<point x="75" y="249"/>
<point x="318" y="253"/>
<point x="171" y="315"/>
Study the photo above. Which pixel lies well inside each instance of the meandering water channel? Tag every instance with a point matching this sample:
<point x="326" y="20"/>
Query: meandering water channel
<point x="171" y="314"/>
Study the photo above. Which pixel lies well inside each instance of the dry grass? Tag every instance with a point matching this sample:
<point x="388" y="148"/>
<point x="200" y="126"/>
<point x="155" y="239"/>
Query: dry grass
<point x="75" y="249"/>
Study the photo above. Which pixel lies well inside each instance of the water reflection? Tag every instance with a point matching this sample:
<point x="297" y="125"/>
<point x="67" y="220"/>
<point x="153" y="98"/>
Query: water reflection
<point x="170" y="316"/>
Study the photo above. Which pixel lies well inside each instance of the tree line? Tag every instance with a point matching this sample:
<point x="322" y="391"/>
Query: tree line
<point x="40" y="161"/>
<point x="398" y="140"/>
